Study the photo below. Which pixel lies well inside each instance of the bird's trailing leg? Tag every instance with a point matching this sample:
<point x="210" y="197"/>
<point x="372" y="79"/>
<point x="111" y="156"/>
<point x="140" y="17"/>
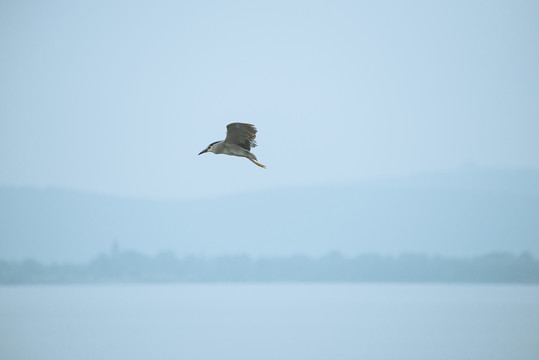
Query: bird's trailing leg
<point x="257" y="163"/>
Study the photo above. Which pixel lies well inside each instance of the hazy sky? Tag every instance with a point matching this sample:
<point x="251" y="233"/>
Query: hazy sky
<point x="120" y="96"/>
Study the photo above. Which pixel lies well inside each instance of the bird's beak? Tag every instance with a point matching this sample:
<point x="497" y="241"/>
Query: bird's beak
<point x="203" y="151"/>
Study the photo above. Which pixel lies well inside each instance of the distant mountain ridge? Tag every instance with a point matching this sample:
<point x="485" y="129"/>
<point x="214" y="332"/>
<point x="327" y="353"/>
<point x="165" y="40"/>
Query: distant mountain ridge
<point x="462" y="213"/>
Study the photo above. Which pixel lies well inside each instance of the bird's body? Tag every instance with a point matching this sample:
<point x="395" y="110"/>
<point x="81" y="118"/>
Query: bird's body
<point x="240" y="138"/>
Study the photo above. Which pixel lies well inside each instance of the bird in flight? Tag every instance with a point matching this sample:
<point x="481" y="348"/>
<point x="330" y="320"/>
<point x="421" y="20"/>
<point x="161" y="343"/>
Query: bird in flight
<point x="240" y="138"/>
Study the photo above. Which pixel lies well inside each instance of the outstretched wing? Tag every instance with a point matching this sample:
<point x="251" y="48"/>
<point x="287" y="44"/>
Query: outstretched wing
<point x="241" y="134"/>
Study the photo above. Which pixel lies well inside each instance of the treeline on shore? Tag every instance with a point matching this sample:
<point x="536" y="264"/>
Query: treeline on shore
<point x="134" y="267"/>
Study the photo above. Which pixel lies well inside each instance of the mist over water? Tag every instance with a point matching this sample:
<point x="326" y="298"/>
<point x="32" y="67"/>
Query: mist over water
<point x="279" y="321"/>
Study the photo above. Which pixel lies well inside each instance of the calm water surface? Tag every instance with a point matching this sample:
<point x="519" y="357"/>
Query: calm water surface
<point x="269" y="321"/>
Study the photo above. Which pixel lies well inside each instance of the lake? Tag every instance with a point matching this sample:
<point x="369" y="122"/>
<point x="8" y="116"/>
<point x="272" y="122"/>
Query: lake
<point x="269" y="321"/>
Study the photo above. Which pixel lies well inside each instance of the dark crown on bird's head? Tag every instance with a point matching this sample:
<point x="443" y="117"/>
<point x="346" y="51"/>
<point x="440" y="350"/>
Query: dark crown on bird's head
<point x="208" y="148"/>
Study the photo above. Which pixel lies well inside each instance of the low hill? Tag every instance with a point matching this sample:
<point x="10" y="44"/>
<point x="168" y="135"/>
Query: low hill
<point x="464" y="213"/>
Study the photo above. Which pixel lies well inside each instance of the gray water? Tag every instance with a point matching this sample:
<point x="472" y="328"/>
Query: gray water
<point x="269" y="321"/>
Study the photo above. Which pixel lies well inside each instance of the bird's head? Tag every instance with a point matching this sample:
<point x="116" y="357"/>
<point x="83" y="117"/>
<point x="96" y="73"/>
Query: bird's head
<point x="209" y="148"/>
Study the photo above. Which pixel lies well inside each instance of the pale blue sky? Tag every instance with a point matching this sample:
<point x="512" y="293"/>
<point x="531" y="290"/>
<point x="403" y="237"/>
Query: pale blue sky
<point x="120" y="96"/>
